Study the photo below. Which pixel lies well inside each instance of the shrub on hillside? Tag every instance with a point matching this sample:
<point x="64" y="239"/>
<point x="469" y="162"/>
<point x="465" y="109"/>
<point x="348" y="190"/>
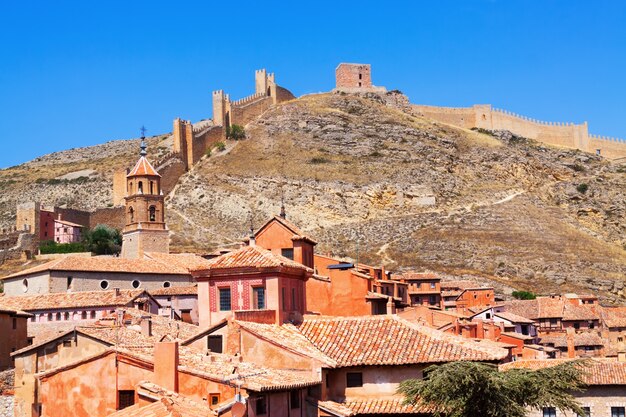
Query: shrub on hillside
<point x="220" y="146"/>
<point x="49" y="246"/>
<point x="582" y="188"/>
<point x="523" y="295"/>
<point x="235" y="132"/>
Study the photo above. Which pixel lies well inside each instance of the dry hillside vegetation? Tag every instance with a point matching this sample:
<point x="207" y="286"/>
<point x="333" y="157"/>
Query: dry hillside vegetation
<point x="366" y="177"/>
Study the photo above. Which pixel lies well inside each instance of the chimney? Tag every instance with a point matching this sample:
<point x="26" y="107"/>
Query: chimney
<point x="391" y="306"/>
<point x="117" y="291"/>
<point x="146" y="326"/>
<point x="166" y="365"/>
<point x="571" y="347"/>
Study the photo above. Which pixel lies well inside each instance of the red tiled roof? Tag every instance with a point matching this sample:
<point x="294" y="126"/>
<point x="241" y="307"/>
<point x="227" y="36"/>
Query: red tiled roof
<point x="580" y="339"/>
<point x="579" y="312"/>
<point x="549" y="307"/>
<point x="254" y="257"/>
<point x="514" y="318"/>
<point x="68" y="223"/>
<point x="187" y="290"/>
<point x="152" y="264"/>
<point x="72" y="300"/>
<point x="389" y="340"/>
<point x="613" y="316"/>
<point x="595" y="371"/>
<point x="459" y="284"/>
<point x="143" y="168"/>
<point x="168" y="404"/>
<point x="352" y="407"/>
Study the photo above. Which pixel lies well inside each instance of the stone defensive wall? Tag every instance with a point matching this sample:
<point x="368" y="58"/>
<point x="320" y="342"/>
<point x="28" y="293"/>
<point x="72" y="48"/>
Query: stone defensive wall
<point x="569" y="135"/>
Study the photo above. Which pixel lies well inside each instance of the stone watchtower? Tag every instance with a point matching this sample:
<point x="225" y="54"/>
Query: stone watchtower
<point x="145" y="229"/>
<point x="353" y="76"/>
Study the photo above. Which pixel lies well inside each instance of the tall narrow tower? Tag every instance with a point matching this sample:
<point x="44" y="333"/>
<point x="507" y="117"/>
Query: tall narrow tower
<point x="145" y="229"/>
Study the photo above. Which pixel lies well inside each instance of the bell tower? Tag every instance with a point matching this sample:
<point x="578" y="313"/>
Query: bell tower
<point x="145" y="229"/>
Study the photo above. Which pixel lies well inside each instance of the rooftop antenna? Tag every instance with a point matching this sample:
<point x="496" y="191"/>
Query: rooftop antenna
<point x="143" y="141"/>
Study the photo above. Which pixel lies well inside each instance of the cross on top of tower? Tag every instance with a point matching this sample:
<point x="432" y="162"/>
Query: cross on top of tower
<point x="143" y="142"/>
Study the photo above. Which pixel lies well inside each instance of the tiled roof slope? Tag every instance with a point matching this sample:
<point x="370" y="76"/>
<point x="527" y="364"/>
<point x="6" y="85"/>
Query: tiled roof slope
<point x="613" y="316"/>
<point x="390" y="340"/>
<point x="514" y="318"/>
<point x="595" y="371"/>
<point x="174" y="264"/>
<point x="297" y="233"/>
<point x="169" y="404"/>
<point x="287" y="336"/>
<point x="186" y="290"/>
<point x="253" y="257"/>
<point x="579" y="312"/>
<point x="539" y="308"/>
<point x="580" y="339"/>
<point x="353" y="407"/>
<point x="72" y="300"/>
<point x="143" y="167"/>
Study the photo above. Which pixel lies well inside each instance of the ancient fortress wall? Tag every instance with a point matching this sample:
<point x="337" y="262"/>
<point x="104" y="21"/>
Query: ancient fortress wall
<point x="554" y="133"/>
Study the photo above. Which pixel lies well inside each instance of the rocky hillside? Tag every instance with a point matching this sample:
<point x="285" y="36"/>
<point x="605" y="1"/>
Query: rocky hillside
<point x="369" y="179"/>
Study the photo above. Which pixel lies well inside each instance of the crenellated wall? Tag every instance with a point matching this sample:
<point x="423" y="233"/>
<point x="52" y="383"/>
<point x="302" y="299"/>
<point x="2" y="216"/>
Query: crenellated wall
<point x="555" y="133"/>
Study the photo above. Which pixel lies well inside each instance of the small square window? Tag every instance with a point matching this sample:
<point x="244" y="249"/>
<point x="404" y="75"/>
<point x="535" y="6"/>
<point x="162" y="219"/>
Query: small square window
<point x="354" y="379"/>
<point x="215" y="399"/>
<point x="587" y="412"/>
<point x="549" y="412"/>
<point x="618" y="412"/>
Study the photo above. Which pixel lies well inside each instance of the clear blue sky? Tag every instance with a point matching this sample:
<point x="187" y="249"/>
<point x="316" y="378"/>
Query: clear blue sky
<point x="80" y="73"/>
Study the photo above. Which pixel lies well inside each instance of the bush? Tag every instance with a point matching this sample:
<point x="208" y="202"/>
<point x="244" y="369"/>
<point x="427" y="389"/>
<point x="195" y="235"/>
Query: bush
<point x="208" y="152"/>
<point x="103" y="240"/>
<point x="50" y="246"/>
<point x="524" y="295"/>
<point x="220" y="146"/>
<point x="582" y="188"/>
<point x="319" y="160"/>
<point x="235" y="132"/>
<point x="577" y="168"/>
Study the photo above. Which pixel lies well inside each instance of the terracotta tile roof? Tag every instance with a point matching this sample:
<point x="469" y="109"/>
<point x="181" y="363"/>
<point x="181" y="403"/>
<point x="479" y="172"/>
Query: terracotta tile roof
<point x="254" y="257"/>
<point x="518" y="335"/>
<point x="598" y="371"/>
<point x="188" y="261"/>
<point x="187" y="290"/>
<point x="613" y="316"/>
<point x="68" y="223"/>
<point x="353" y="407"/>
<point x="104" y="264"/>
<point x="69" y="300"/>
<point x="580" y="339"/>
<point x="289" y="337"/>
<point x="167" y="404"/>
<point x="579" y="312"/>
<point x="142" y="168"/>
<point x="44" y="332"/>
<point x="514" y="318"/>
<point x="297" y="233"/>
<point x="549" y="307"/>
<point x="389" y="340"/>
<point x="417" y="276"/>
<point x="10" y="308"/>
<point x="459" y="285"/>
<point x="523" y="308"/>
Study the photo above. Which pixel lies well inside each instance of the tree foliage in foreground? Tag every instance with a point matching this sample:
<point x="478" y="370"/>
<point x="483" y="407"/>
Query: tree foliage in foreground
<point x="103" y="240"/>
<point x="474" y="389"/>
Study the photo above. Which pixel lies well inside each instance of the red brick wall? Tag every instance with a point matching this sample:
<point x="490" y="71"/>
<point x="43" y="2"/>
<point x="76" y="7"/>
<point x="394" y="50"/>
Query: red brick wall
<point x="347" y="75"/>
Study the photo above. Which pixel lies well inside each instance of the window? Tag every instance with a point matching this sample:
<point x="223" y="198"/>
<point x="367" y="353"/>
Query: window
<point x="354" y="379"/>
<point x="69" y="283"/>
<point x="125" y="398"/>
<point x="287" y="253"/>
<point x="215" y="399"/>
<point x="167" y="284"/>
<point x="591" y="325"/>
<point x="618" y="412"/>
<point x="33" y="318"/>
<point x="284" y="294"/>
<point x="65" y="230"/>
<point x="151" y="187"/>
<point x="620" y="339"/>
<point x="58" y="316"/>
<point x="83" y="315"/>
<point x="587" y="413"/>
<point x="14" y="323"/>
<point x="261" y="405"/>
<point x="67" y="315"/>
<point x="293" y="299"/>
<point x="136" y="284"/>
<point x="294" y="399"/>
<point x="92" y="314"/>
<point x="576" y="325"/>
<point x="49" y="316"/>
<point x="360" y="76"/>
<point x="432" y="300"/>
<point x="488" y="315"/>
<point x="258" y="298"/>
<point x="432" y="285"/>
<point x="152" y="213"/>
<point x="104" y="284"/>
<point x="131" y="215"/>
<point x="549" y="412"/>
<point x="140" y="187"/>
<point x="224" y="299"/>
<point x="25" y="285"/>
<point x="67" y="343"/>
<point x="553" y="322"/>
<point x="214" y="343"/>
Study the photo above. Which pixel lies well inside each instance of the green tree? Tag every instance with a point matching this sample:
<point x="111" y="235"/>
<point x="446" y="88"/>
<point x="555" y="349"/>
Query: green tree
<point x="103" y="240"/>
<point x="235" y="132"/>
<point x="474" y="389"/>
<point x="524" y="295"/>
